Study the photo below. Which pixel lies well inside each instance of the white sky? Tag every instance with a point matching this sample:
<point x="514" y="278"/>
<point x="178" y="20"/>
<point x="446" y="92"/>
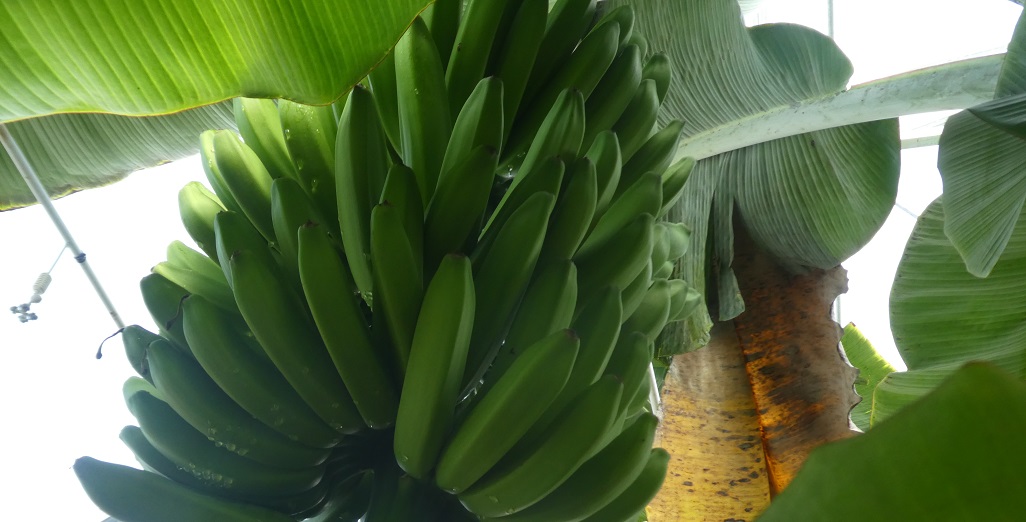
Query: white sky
<point x="60" y="403"/>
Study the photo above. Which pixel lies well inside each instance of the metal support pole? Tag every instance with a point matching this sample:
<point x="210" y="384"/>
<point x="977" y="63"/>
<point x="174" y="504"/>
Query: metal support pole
<point x="29" y="175"/>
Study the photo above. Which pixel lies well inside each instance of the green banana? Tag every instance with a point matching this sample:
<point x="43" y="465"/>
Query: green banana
<point x="457" y="206"/>
<point x="659" y="69"/>
<point x="193" y="451"/>
<point x="401" y="192"/>
<point x="133" y="385"/>
<point x="629" y="362"/>
<point x="605" y="154"/>
<point x="635" y="291"/>
<point x="683" y="301"/>
<point x="282" y="325"/>
<point x="310" y="137"/>
<point x="260" y="126"/>
<point x="673" y="183"/>
<point x="437" y="360"/>
<point x="197" y="206"/>
<point x="360" y="157"/>
<point x="347" y="500"/>
<point x="505" y="412"/>
<point x="678" y="237"/>
<point x="132" y="495"/>
<point x="617" y="261"/>
<point x="660" y="245"/>
<point x="246" y="178"/>
<point x="636" y="38"/>
<point x="581" y="73"/>
<point x="567" y="22"/>
<point x="515" y="484"/>
<point x="654" y="156"/>
<point x="425" y="121"/>
<point x="623" y="17"/>
<point x="517" y="56"/>
<point x="197" y="274"/>
<point x="645" y="196"/>
<point x="480" y="123"/>
<point x="474" y="40"/>
<point x="599" y="480"/>
<point x="163" y="299"/>
<point x="443" y="20"/>
<point x="386" y="101"/>
<point x="398" y="282"/>
<point x="291" y="208"/>
<point x="136" y="339"/>
<point x="331" y="295"/>
<point x="502" y="275"/>
<point x="545" y="177"/>
<point x="547" y="307"/>
<point x="190" y="391"/>
<point x="573" y="213"/>
<point x="635" y="124"/>
<point x="612" y="94"/>
<point x="644" y="488"/>
<point x="664" y="272"/>
<point x="242" y="369"/>
<point x="560" y="134"/>
<point x="209" y="161"/>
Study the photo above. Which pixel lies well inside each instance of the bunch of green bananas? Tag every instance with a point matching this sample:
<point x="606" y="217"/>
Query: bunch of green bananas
<point x="434" y="301"/>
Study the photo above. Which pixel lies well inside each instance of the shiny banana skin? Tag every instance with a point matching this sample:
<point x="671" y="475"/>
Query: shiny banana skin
<point x="505" y="412"/>
<point x="547" y="307"/>
<point x="599" y="480"/>
<point x="233" y="232"/>
<point x="479" y="123"/>
<point x="437" y="361"/>
<point x="136" y="340"/>
<point x="132" y="495"/>
<point x="633" y="500"/>
<point x="574" y="211"/>
<point x="503" y="274"/>
<point x="645" y="196"/>
<point x="246" y="178"/>
<point x="193" y="451"/>
<point x="605" y="154"/>
<point x="654" y="156"/>
<point x="360" y="157"/>
<point x="401" y="192"/>
<point x="213" y="172"/>
<point x="260" y="127"/>
<point x="163" y="299"/>
<point x="282" y="325"/>
<point x="398" y="283"/>
<point x="517" y="56"/>
<point x="310" y="137"/>
<point x="544" y="177"/>
<point x="334" y="303"/>
<point x="473" y="45"/>
<point x="635" y="124"/>
<point x="425" y="120"/>
<point x="560" y="134"/>
<point x="455" y="211"/>
<point x="185" y="386"/>
<point x="514" y="485"/>
<point x="567" y="22"/>
<point x="240" y="367"/>
<point x="197" y="274"/>
<point x="612" y="94"/>
<point x="197" y="206"/>
<point x="153" y="460"/>
<point x="291" y="208"/>
<point x="617" y="261"/>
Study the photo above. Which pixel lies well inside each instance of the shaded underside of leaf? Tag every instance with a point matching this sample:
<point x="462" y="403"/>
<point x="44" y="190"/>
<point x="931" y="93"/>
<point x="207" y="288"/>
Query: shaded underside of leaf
<point x="812" y="199"/>
<point x="872" y="369"/>
<point x="160" y="56"/>
<point x="71" y="152"/>
<point x="951" y="456"/>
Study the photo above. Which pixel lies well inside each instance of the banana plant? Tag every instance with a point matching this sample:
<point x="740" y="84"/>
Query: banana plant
<point x="774" y="208"/>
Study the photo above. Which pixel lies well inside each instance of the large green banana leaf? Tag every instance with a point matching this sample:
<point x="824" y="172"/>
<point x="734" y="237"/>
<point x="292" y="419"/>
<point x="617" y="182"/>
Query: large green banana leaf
<point x="981" y="160"/>
<point x="954" y="455"/>
<point x="155" y="57"/>
<point x="811" y="199"/>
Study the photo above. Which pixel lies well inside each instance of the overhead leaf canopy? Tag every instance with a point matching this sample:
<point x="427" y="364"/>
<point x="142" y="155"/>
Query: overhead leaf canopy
<point x="811" y="199"/>
<point x="154" y="57"/>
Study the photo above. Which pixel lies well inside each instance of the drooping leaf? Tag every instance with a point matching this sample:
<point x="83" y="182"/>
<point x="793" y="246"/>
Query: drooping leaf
<point x="951" y="456"/>
<point x="872" y="369"/>
<point x="981" y="158"/>
<point x="811" y="199"/>
<point x="942" y="316"/>
<point x="157" y="57"/>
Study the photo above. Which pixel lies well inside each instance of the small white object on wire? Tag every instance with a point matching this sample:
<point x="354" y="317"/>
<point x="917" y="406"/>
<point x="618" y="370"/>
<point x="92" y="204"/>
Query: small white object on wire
<point x="38" y="288"/>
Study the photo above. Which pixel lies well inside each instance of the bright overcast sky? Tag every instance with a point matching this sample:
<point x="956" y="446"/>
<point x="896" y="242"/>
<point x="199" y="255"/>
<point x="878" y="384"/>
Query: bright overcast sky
<point x="60" y="403"/>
